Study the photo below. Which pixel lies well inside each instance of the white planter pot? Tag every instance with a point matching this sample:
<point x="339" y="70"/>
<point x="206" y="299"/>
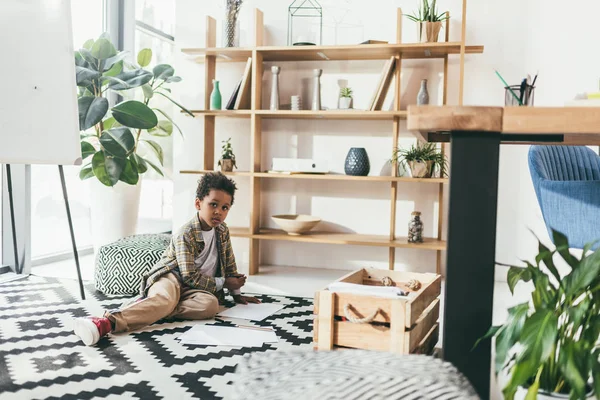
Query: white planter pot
<point x="113" y="210"/>
<point x="345" y="102"/>
<point x="522" y="392"/>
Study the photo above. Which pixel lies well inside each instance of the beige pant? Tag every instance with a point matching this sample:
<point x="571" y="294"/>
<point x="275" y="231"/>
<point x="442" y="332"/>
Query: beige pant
<point x="166" y="299"/>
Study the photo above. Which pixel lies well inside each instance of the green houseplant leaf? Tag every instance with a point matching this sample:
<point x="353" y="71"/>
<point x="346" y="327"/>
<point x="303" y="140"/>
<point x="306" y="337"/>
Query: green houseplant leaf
<point x="130" y="173"/>
<point x="84" y="76"/>
<point x="132" y="79"/>
<point x="134" y="114"/>
<point x="163" y="71"/>
<point x="107" y="169"/>
<point x="141" y="165"/>
<point x="118" y="142"/>
<point x="156" y="148"/>
<point x="103" y="49"/>
<point x="144" y="57"/>
<point x="162" y="129"/>
<point x="86" y="149"/>
<point x="91" y="111"/>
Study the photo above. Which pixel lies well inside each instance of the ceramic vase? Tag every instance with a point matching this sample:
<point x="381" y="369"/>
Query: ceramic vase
<point x="215" y="96"/>
<point x="316" y="103"/>
<point x="275" y="88"/>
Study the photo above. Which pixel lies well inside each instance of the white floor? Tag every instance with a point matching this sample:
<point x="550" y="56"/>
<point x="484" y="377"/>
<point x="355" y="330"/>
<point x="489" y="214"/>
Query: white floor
<point x="294" y="281"/>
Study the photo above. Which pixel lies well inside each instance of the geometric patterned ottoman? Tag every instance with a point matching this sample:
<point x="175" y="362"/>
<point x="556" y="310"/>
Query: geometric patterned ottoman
<point x="347" y="374"/>
<point x="121" y="264"/>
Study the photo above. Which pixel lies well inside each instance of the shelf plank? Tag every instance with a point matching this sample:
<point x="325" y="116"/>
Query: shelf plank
<point x="224" y="113"/>
<point x="222" y="54"/>
<point x="330" y="177"/>
<point x="340" y="177"/>
<point x="332" y="114"/>
<point x="342" y="238"/>
<point x="345" y="52"/>
<point x="204" y="171"/>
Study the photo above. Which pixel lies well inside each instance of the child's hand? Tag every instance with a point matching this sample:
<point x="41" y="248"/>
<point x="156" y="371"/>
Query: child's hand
<point x="238" y="298"/>
<point x="235" y="282"/>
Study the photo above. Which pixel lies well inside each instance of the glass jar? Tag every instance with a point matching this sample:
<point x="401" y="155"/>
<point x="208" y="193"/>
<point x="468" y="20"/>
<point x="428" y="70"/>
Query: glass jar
<point x="415" y="228"/>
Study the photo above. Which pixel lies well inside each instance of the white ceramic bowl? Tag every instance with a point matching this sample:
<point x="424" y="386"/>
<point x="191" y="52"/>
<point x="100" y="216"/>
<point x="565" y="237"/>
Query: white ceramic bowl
<point x="296" y="224"/>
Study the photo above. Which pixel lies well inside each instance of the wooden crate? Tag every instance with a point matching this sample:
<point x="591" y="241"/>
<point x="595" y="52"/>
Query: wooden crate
<point x="403" y="325"/>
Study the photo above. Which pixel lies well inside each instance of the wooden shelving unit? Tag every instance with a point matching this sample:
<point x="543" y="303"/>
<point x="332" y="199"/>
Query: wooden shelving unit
<point x="260" y="54"/>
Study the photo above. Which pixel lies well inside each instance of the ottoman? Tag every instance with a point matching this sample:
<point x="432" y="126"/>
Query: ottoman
<point x="121" y="264"/>
<point x="347" y="374"/>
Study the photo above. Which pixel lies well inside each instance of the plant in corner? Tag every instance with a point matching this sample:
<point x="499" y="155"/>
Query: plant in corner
<point x="422" y="160"/>
<point x="550" y="345"/>
<point x="227" y="161"/>
<point x="345" y="98"/>
<point x="111" y="137"/>
<point x="429" y="21"/>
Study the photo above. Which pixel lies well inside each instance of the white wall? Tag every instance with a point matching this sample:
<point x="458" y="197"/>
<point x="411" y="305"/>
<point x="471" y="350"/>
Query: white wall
<point x="531" y="42"/>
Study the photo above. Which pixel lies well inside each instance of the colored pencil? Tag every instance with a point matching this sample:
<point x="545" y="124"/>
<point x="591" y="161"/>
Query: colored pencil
<point x="508" y="87"/>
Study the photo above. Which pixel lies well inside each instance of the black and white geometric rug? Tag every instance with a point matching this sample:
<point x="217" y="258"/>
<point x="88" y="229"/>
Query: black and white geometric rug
<point x="41" y="358"/>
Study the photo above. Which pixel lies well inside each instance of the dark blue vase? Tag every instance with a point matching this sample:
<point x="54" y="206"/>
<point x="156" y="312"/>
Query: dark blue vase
<point x="357" y="162"/>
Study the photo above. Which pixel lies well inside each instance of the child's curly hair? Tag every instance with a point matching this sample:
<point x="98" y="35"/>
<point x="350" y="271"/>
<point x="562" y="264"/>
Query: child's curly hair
<point x="216" y="181"/>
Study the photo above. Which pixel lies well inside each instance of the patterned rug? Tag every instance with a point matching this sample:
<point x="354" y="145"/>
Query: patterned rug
<point x="41" y="358"/>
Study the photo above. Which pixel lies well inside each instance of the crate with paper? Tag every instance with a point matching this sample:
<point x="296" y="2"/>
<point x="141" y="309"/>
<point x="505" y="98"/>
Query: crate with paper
<point x="379" y="310"/>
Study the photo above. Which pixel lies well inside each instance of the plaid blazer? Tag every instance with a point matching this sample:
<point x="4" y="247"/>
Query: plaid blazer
<point x="179" y="258"/>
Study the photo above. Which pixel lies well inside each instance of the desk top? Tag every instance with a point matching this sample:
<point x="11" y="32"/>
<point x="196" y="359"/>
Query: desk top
<point x="557" y="125"/>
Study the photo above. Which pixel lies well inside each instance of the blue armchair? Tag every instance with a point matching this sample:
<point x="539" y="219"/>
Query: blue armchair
<point x="567" y="184"/>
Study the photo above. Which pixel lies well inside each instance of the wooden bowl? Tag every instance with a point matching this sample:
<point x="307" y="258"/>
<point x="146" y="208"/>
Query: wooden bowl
<point x="295" y="224"/>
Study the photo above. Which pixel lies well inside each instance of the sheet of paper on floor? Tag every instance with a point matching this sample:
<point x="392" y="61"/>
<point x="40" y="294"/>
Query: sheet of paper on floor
<point x="254" y="312"/>
<point x="227" y="336"/>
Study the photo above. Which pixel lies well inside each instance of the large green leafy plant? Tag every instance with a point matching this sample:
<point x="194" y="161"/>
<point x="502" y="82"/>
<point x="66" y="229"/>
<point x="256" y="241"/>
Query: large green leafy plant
<point x="111" y="137"/>
<point x="551" y="343"/>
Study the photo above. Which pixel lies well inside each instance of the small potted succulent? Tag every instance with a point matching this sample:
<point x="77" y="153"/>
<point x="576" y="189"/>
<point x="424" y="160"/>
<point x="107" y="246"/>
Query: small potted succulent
<point x="345" y="98"/>
<point x="422" y="160"/>
<point x="227" y="161"/>
<point x="429" y="21"/>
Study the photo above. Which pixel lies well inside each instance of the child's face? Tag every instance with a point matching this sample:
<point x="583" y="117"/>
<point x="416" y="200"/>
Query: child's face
<point x="214" y="207"/>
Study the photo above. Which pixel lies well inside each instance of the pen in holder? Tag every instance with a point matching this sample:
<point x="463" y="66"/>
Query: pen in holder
<point x="514" y="95"/>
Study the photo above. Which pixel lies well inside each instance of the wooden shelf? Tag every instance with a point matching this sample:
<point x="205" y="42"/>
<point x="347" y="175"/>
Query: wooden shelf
<point x="340" y="177"/>
<point x="330" y="177"/>
<point x="223" y="113"/>
<point x="332" y="114"/>
<point x="346" y="52"/>
<point x="339" y="238"/>
<point x="306" y="114"/>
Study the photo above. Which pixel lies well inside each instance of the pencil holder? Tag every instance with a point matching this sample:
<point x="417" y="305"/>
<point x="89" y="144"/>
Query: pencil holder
<point x="512" y="95"/>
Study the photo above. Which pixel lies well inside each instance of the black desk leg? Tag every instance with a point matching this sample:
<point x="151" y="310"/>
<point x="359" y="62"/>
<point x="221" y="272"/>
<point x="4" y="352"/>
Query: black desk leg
<point x="18" y="265"/>
<point x="75" y="254"/>
<point x="471" y="254"/>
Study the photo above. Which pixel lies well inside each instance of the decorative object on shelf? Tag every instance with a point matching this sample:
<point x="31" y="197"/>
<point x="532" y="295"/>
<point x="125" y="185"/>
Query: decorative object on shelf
<point x="305" y="23"/>
<point x="413" y="284"/>
<point x="429" y="22"/>
<point x="345" y="98"/>
<point x="275" y="88"/>
<point x="295" y="224"/>
<point x="387" y="281"/>
<point x="215" y="96"/>
<point x="422" y="160"/>
<point x="549" y="345"/>
<point x="316" y="103"/>
<point x="231" y="25"/>
<point x="357" y="162"/>
<point x="423" y="96"/>
<point x="231" y="103"/>
<point x="415" y="228"/>
<point x="227" y="161"/>
<point x="296" y="103"/>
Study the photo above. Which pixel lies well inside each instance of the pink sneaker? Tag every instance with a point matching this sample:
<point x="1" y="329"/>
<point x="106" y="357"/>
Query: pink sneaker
<point x="91" y="329"/>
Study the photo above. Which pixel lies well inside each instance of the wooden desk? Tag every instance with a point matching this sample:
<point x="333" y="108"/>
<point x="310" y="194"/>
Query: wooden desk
<point x="475" y="134"/>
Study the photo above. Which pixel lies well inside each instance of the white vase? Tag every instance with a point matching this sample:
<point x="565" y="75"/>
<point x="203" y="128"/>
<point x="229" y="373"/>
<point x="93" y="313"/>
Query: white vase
<point x="316" y="103"/>
<point x="345" y="102"/>
<point x="113" y="211"/>
<point x="274" y="105"/>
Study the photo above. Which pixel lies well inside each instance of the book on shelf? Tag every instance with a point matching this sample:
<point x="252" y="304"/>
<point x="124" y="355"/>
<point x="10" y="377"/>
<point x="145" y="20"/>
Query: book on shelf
<point x="384" y="84"/>
<point x="242" y="102"/>
<point x="234" y="95"/>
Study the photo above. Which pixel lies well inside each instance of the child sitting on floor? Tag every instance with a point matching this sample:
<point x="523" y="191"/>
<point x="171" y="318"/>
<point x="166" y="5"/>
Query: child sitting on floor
<point x="188" y="281"/>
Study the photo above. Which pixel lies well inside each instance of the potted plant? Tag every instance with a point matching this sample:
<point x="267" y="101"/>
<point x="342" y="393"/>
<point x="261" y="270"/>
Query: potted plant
<point x="549" y="345"/>
<point x="117" y="143"/>
<point x="345" y="98"/>
<point x="429" y="21"/>
<point x="227" y="161"/>
<point x="421" y="160"/>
